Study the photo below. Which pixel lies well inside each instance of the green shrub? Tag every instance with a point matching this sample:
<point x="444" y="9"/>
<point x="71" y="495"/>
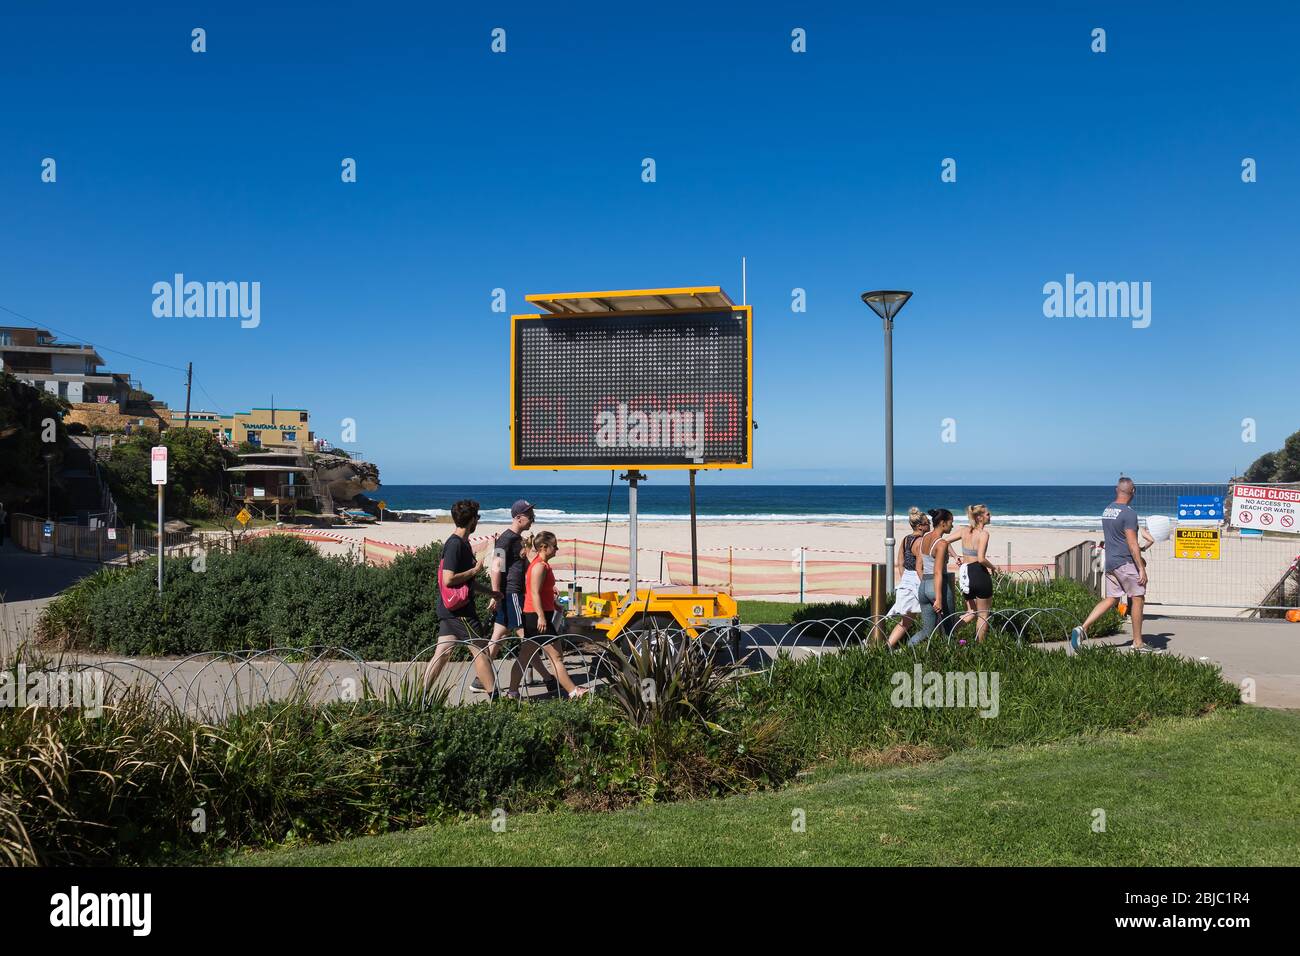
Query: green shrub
<point x="196" y="464"/>
<point x="203" y="506"/>
<point x="76" y="789"/>
<point x="277" y="590"/>
<point x="123" y="787"/>
<point x="839" y="703"/>
<point x="321" y="773"/>
<point x="664" y="681"/>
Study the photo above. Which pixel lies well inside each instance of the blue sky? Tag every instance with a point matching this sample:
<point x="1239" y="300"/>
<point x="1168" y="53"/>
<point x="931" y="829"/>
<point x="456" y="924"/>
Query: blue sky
<point x="523" y="171"/>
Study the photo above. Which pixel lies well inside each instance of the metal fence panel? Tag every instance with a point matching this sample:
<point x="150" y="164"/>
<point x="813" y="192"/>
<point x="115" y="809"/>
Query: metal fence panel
<point x="1249" y="570"/>
<point x="102" y="543"/>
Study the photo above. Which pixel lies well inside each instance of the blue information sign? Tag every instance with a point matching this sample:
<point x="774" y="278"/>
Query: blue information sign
<point x="1200" y="508"/>
<point x="48" y="529"/>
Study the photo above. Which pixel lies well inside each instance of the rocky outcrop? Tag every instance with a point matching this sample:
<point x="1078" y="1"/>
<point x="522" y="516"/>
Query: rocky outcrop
<point x="344" y="478"/>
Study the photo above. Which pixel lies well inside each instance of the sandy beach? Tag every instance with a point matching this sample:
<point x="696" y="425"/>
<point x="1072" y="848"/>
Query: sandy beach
<point x="863" y="539"/>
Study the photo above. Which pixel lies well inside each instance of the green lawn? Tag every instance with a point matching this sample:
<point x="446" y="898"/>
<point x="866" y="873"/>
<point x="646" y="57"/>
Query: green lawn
<point x="767" y="612"/>
<point x="1217" y="790"/>
<point x="212" y="524"/>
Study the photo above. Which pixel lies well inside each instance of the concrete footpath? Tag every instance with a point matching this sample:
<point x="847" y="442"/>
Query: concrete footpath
<point x="28" y="582"/>
<point x="25" y="576"/>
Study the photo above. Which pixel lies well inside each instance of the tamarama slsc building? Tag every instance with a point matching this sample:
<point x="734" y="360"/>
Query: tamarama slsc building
<point x="288" y="428"/>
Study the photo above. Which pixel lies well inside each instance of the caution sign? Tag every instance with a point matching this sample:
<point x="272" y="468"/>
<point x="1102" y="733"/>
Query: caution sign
<point x="1198" y="544"/>
<point x="1266" y="508"/>
<point x="243" y="517"/>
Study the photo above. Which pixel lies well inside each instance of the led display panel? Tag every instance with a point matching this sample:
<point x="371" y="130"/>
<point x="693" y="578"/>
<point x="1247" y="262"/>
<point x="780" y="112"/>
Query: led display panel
<point x="631" y="389"/>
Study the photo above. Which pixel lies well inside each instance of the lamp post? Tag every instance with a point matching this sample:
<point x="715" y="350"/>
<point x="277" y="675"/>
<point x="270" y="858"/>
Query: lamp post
<point x="49" y="512"/>
<point x="887" y="304"/>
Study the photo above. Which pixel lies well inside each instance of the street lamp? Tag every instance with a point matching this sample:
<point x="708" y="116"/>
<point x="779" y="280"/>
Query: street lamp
<point x="49" y="457"/>
<point x="887" y="304"/>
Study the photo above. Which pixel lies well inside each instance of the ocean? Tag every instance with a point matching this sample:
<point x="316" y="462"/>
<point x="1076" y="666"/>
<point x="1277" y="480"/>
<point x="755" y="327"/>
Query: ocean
<point x="1041" y="506"/>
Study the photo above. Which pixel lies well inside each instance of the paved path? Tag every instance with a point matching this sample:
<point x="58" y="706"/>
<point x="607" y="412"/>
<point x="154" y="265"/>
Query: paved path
<point x="25" y="576"/>
<point x="28" y="582"/>
<point x="1267" y="652"/>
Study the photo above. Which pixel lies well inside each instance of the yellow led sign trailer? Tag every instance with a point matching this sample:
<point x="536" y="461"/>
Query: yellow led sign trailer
<point x="1198" y="544"/>
<point x="632" y="389"/>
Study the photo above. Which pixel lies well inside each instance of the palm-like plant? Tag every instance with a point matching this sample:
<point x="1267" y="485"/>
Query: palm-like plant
<point x="665" y="677"/>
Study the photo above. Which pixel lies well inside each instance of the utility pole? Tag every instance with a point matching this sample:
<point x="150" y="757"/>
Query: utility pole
<point x="189" y="378"/>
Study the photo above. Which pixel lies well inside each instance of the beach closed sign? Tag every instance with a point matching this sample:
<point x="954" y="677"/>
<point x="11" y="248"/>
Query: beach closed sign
<point x="631" y="389"/>
<point x="1197" y="544"/>
<point x="1266" y="508"/>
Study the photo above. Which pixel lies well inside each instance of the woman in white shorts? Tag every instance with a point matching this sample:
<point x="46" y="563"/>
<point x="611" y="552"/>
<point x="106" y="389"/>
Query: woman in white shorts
<point x="907" y="599"/>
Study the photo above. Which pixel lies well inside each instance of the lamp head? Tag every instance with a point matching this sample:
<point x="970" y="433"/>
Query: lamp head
<point x="886" y="303"/>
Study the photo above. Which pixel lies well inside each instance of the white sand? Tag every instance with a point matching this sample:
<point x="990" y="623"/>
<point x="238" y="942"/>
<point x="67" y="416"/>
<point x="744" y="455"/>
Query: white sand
<point x="864" y="539"/>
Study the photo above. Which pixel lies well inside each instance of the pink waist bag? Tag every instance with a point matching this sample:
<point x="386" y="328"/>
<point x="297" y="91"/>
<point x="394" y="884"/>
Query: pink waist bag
<point x="453" y="599"/>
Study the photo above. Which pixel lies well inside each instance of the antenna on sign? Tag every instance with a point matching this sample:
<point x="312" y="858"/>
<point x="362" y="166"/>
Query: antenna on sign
<point x="744" y="292"/>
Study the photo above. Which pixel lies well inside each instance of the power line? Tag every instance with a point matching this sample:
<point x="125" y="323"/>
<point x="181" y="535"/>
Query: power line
<point x="80" y="341"/>
<point x="216" y="406"/>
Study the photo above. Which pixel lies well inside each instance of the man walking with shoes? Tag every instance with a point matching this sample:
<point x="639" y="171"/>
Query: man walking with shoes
<point x="1126" y="572"/>
<point x="507" y="570"/>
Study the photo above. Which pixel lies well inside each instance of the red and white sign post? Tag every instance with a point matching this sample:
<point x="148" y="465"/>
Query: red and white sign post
<point x="158" y="472"/>
<point x="1262" y="506"/>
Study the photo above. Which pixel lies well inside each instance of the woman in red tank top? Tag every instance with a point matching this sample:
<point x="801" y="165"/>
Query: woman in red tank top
<point x="539" y="592"/>
<point x="540" y="587"/>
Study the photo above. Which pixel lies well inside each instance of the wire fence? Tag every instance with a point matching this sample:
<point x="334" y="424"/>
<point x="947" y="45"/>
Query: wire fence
<point x="217" y="685"/>
<point x="1209" y="562"/>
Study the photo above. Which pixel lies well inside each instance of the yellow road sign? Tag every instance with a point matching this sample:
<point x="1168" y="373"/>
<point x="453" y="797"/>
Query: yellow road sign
<point x="383" y="505"/>
<point x="243" y="517"/>
<point x="1197" y="543"/>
